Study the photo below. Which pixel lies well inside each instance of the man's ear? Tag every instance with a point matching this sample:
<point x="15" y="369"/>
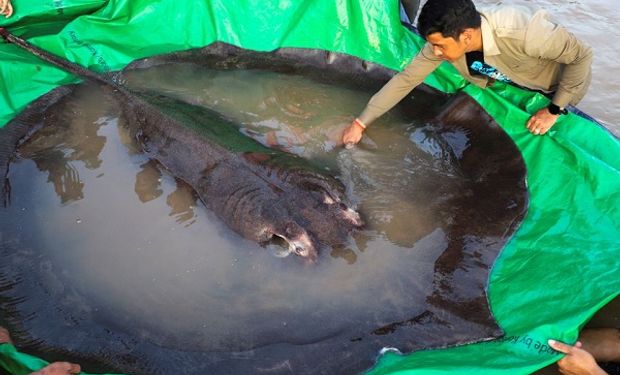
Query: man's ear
<point x="467" y="36"/>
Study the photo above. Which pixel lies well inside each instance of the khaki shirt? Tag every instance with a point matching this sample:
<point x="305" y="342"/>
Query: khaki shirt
<point x="525" y="46"/>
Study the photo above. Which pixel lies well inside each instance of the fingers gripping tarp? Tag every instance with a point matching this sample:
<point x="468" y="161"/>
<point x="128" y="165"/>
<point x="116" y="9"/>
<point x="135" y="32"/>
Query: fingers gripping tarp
<point x="559" y="268"/>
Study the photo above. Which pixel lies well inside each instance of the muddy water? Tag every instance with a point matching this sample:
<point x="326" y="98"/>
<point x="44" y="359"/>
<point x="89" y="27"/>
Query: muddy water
<point x="117" y="242"/>
<point x="307" y="118"/>
<point x="275" y="109"/>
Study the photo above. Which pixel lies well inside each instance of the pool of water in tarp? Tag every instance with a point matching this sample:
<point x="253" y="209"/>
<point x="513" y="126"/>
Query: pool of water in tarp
<point x="100" y="245"/>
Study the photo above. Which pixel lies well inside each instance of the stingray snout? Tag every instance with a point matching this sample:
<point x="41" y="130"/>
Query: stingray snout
<point x="299" y="241"/>
<point x="351" y="215"/>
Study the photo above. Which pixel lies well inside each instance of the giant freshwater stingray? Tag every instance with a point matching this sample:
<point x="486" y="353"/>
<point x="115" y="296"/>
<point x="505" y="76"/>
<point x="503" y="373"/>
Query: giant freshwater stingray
<point x="454" y="310"/>
<point x="260" y="195"/>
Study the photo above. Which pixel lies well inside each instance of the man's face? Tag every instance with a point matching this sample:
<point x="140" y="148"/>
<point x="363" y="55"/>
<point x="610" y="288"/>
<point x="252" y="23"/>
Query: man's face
<point x="448" y="48"/>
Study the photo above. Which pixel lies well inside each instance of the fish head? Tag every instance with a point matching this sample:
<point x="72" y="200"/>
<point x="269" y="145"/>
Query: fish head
<point x="299" y="241"/>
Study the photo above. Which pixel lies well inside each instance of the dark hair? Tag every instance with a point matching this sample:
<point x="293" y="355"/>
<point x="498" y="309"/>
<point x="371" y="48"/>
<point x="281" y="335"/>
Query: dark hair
<point x="448" y="17"/>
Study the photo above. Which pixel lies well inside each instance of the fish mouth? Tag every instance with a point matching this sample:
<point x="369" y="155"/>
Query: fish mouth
<point x="304" y="252"/>
<point x="302" y="246"/>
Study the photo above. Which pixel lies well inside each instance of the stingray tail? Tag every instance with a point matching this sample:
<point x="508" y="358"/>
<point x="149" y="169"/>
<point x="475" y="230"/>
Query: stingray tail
<point x="57" y="61"/>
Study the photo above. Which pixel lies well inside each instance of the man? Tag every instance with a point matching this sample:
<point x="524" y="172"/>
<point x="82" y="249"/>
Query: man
<point x="505" y="43"/>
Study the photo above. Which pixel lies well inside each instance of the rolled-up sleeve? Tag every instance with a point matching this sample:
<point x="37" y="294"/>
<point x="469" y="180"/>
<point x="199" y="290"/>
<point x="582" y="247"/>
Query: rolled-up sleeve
<point x="547" y="40"/>
<point x="400" y="85"/>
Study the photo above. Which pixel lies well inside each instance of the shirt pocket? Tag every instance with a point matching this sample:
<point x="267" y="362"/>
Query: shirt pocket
<point x="524" y="65"/>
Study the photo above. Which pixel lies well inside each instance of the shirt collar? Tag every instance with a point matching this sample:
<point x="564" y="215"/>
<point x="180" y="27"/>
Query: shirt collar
<point x="489" y="46"/>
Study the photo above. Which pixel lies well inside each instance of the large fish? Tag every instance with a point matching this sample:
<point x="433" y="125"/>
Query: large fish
<point x="258" y="192"/>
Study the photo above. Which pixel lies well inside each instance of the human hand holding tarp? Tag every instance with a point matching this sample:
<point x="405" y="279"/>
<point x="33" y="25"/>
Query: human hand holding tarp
<point x="59" y="368"/>
<point x="5" y="338"/>
<point x="541" y="122"/>
<point x="577" y="361"/>
<point x="56" y="368"/>
<point x="6" y="8"/>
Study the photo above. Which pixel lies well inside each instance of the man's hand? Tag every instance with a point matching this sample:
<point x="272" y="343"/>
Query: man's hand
<point x="4" y="336"/>
<point x="353" y="134"/>
<point x="59" y="368"/>
<point x="56" y="368"/>
<point x="6" y="9"/>
<point x="541" y="122"/>
<point x="576" y="361"/>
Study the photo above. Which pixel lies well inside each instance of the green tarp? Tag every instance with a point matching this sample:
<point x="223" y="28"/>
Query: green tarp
<point x="559" y="268"/>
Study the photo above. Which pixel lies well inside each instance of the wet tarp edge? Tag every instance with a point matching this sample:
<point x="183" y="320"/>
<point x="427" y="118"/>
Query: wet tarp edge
<point x="18" y="363"/>
<point x="573" y="172"/>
